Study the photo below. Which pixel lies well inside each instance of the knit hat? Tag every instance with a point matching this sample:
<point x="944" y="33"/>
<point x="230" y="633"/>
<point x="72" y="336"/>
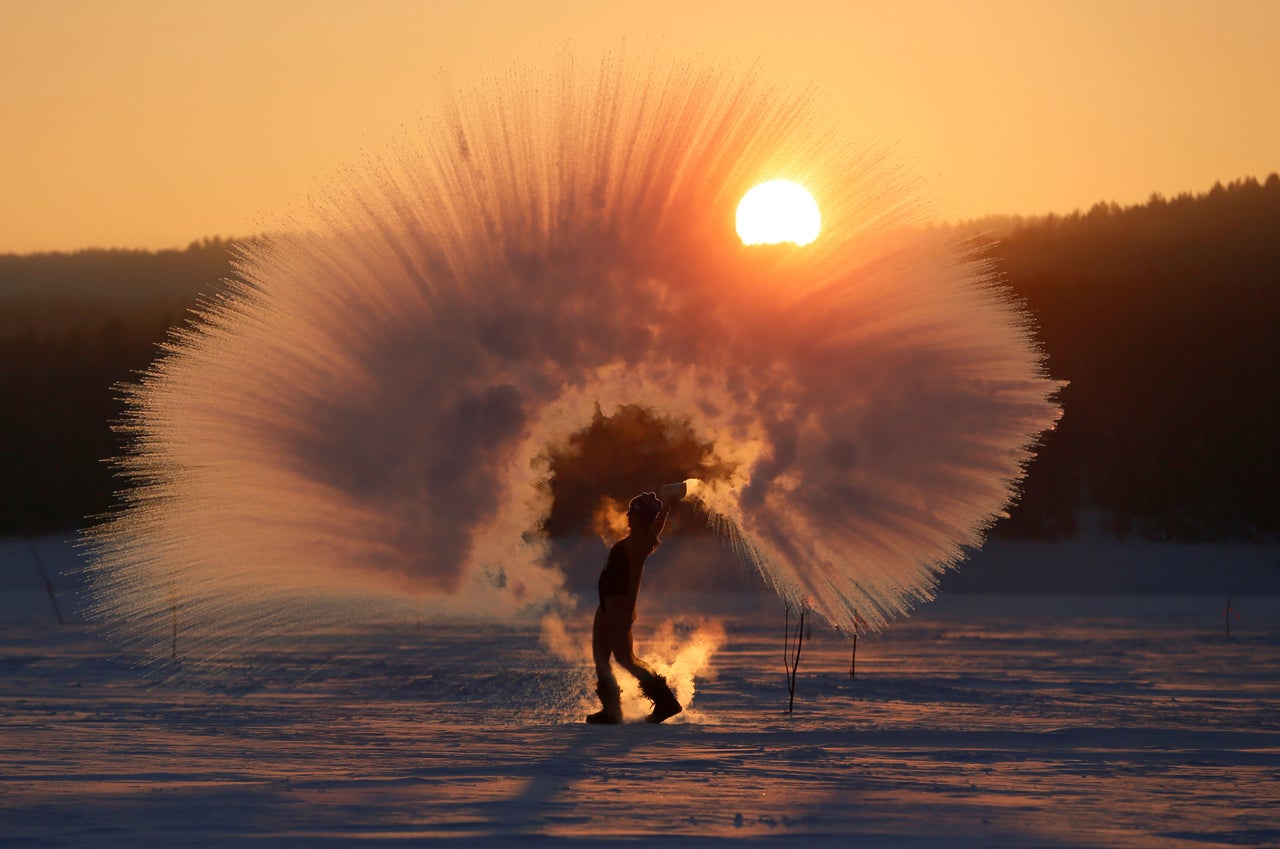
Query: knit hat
<point x="645" y="506"/>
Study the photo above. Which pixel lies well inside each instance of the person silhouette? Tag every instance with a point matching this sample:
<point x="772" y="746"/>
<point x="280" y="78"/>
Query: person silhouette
<point x="619" y="586"/>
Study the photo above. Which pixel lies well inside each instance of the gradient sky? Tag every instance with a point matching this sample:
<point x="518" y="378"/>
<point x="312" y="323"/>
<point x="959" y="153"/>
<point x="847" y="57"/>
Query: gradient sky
<point x="149" y="124"/>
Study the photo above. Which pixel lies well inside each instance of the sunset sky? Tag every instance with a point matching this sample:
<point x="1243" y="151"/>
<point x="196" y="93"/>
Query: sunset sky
<point x="150" y="124"/>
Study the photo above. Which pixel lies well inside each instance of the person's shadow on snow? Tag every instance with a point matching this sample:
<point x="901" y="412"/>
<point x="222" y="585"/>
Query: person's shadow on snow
<point x="593" y="753"/>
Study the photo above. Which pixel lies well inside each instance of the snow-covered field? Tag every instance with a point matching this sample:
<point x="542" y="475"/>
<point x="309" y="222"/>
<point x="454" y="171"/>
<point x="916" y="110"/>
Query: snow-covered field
<point x="983" y="720"/>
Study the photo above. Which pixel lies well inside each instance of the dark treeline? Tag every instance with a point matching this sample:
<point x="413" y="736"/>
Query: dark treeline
<point x="1164" y="317"/>
<point x="73" y="326"/>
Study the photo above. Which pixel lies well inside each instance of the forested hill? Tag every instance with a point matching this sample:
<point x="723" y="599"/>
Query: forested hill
<point x="116" y="274"/>
<point x="1164" y="317"/>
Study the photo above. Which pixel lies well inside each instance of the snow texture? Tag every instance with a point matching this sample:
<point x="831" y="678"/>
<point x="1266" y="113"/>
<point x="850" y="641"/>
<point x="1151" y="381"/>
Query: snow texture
<point x="982" y="721"/>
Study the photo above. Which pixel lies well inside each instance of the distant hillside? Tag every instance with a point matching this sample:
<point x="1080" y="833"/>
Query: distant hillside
<point x="116" y="273"/>
<point x="72" y="325"/>
<point x="1165" y="317"/>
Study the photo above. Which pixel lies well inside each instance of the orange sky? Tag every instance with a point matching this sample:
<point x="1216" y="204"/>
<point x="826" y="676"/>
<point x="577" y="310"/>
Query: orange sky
<point x="149" y="124"/>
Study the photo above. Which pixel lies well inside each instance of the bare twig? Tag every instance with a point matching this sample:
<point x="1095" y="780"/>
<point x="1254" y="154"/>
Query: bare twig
<point x="792" y="643"/>
<point x="1227" y="614"/>
<point x="48" y="585"/>
<point x="858" y="625"/>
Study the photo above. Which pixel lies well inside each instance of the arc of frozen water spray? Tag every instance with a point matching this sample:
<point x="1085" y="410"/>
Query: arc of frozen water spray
<point x="362" y="416"/>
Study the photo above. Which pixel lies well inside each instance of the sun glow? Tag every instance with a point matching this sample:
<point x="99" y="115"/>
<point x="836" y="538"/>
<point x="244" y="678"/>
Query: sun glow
<point x="778" y="211"/>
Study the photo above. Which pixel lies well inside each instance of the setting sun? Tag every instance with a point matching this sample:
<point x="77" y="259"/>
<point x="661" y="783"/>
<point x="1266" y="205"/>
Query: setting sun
<point x="778" y="211"/>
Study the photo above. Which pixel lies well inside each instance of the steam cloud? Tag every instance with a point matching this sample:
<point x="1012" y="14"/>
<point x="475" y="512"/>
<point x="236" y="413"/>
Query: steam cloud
<point x="689" y="645"/>
<point x="367" y="411"/>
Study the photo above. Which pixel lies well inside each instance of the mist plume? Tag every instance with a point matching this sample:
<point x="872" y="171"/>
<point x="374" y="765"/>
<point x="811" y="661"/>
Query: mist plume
<point x="369" y="411"/>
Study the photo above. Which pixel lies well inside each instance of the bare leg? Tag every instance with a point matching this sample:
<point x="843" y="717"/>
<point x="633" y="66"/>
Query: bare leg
<point x="617" y="626"/>
<point x="601" y="648"/>
<point x="616" y="621"/>
<point x="607" y="688"/>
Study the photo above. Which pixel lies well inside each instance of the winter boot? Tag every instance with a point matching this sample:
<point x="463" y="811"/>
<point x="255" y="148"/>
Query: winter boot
<point x="664" y="701"/>
<point x="611" y="697"/>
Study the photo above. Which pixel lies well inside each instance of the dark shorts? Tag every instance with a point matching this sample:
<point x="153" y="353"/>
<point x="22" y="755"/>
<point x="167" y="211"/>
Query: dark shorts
<point x="610" y="589"/>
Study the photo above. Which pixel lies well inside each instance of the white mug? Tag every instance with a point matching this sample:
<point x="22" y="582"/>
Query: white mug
<point x="673" y="490"/>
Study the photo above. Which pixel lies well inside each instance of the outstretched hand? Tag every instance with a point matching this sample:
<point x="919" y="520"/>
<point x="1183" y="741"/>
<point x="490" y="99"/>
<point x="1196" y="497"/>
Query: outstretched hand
<point x="672" y="492"/>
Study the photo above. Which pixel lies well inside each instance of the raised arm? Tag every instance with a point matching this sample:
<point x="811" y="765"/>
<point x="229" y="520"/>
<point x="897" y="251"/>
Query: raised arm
<point x="642" y="543"/>
<point x="660" y="521"/>
<point x="670" y="494"/>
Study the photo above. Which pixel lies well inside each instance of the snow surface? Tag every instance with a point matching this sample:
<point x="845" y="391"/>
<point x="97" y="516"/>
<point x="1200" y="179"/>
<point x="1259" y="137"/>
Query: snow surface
<point x="983" y="720"/>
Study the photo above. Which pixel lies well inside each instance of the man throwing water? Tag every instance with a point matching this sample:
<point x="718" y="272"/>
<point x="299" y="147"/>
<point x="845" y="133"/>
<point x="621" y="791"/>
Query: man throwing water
<point x="619" y="587"/>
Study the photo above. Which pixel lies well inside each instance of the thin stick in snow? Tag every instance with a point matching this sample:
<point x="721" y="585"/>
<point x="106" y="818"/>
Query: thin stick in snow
<point x="791" y="645"/>
<point x="48" y="585"/>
